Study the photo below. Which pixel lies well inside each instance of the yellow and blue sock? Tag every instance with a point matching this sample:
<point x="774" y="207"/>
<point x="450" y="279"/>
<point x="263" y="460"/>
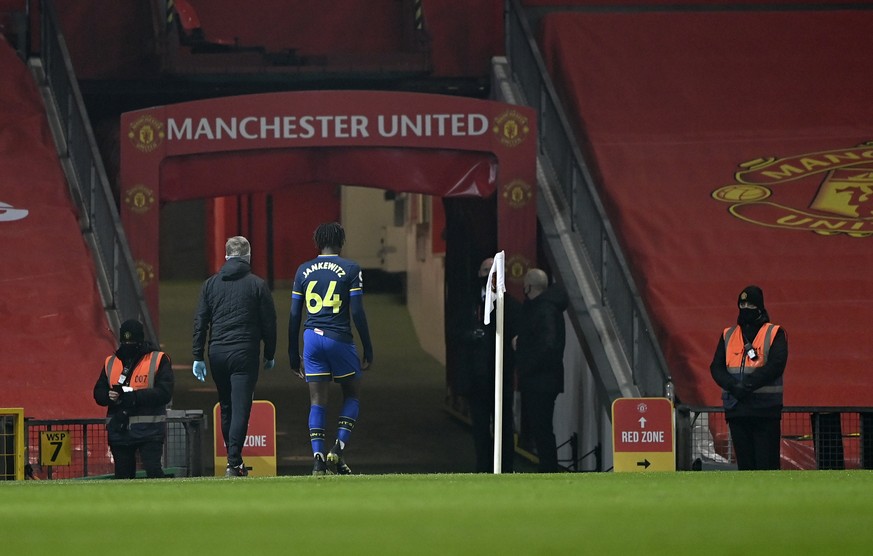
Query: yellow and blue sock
<point x="346" y="422"/>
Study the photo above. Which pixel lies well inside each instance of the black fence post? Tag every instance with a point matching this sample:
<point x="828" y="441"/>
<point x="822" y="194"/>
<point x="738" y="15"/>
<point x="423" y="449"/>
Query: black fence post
<point x="85" y="450"/>
<point x="683" y="438"/>
<point x="866" y="440"/>
<point x="195" y="444"/>
<point x="7" y="448"/>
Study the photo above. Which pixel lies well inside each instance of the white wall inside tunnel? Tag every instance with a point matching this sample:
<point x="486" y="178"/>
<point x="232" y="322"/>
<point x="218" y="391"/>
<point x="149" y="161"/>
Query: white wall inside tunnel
<point x="366" y="216"/>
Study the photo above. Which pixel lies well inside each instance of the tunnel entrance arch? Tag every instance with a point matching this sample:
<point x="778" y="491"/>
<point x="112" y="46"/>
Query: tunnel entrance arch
<point x="404" y="142"/>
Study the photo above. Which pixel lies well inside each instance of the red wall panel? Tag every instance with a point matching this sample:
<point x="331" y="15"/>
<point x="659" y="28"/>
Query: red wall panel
<point x="710" y="133"/>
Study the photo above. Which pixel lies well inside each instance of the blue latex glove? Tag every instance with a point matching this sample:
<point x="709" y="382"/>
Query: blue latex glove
<point x="269" y="364"/>
<point x="200" y="371"/>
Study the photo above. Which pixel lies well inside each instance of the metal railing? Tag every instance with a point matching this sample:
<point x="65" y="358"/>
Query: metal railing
<point x="13" y="26"/>
<point x="119" y="283"/>
<point x="812" y="438"/>
<point x="11" y="444"/>
<point x="90" y="456"/>
<point x="616" y="290"/>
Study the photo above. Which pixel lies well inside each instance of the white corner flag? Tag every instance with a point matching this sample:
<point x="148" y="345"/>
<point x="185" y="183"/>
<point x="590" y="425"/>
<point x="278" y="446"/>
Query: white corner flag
<point x="498" y="294"/>
<point x="497" y="268"/>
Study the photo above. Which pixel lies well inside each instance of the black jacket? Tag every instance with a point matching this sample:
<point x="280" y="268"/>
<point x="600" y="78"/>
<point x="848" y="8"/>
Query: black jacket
<point x="121" y="416"/>
<point x="237" y="310"/>
<point x="539" y="354"/>
<point x="478" y="341"/>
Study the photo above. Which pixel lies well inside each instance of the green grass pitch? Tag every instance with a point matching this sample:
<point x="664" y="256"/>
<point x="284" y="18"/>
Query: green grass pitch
<point x="711" y="513"/>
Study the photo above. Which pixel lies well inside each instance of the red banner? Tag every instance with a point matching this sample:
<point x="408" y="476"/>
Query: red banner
<point x="55" y="334"/>
<point x="421" y="143"/>
<point x="726" y="156"/>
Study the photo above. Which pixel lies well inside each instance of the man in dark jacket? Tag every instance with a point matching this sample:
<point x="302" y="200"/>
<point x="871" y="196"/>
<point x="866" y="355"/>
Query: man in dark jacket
<point x="237" y="311"/>
<point x="540" y="362"/>
<point x="748" y="365"/>
<point x="135" y="384"/>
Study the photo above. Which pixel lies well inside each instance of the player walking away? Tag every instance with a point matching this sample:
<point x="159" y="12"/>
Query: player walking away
<point x="330" y="288"/>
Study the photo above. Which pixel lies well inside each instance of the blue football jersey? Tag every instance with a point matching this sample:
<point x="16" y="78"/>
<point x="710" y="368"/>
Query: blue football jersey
<point x="326" y="285"/>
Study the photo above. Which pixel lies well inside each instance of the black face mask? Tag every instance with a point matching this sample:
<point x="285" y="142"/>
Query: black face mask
<point x="130" y="351"/>
<point x="748" y="316"/>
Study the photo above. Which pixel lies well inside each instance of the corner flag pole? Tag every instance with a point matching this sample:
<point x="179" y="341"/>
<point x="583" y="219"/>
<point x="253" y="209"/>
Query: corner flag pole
<point x="498" y="272"/>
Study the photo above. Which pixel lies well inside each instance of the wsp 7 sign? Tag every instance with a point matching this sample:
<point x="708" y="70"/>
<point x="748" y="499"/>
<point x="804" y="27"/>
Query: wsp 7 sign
<point x="54" y="448"/>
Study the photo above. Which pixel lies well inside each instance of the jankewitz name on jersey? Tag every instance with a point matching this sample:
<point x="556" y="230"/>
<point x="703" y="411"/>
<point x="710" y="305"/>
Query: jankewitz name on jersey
<point x="324" y="265"/>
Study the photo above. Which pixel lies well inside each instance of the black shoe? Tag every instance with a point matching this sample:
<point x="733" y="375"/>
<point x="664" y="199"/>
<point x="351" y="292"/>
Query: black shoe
<point x="319" y="467"/>
<point x="336" y="462"/>
<point x="238" y="471"/>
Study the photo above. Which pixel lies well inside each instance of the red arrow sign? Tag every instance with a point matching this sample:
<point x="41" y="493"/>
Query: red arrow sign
<point x="642" y="425"/>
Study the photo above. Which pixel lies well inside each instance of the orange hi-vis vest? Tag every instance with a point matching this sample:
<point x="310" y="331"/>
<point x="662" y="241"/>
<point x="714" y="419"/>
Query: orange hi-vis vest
<point x="141" y="377"/>
<point x="739" y="364"/>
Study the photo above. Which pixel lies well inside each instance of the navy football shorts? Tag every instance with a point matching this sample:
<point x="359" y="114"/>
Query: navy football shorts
<point x="326" y="359"/>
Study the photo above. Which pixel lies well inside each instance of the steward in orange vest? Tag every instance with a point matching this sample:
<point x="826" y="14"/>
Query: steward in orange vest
<point x="135" y="384"/>
<point x="742" y="367"/>
<point x="748" y="366"/>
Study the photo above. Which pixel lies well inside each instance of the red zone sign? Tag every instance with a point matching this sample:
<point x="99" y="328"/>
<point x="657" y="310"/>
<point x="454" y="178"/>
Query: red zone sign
<point x="643" y="435"/>
<point x="259" y="447"/>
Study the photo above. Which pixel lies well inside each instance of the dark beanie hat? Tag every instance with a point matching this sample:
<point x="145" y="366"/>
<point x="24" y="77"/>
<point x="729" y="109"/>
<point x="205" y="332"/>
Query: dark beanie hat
<point x="132" y="332"/>
<point x="753" y="295"/>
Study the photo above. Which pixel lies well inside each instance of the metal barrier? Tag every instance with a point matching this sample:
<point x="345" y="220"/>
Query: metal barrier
<point x="616" y="289"/>
<point x="90" y="456"/>
<point x="11" y="444"/>
<point x="118" y="278"/>
<point x="812" y="438"/>
<point x="13" y="26"/>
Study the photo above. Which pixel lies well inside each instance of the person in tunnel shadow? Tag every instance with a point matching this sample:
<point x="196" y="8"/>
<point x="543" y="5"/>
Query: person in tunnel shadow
<point x="540" y="362"/>
<point x="475" y="380"/>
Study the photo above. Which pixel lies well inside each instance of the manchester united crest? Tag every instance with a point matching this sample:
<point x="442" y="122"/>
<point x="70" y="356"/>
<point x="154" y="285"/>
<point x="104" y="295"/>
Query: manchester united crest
<point x="511" y="128"/>
<point x="839" y="185"/>
<point x="146" y="133"/>
<point x="517" y="193"/>
<point x="516" y="267"/>
<point x="139" y="199"/>
<point x="145" y="272"/>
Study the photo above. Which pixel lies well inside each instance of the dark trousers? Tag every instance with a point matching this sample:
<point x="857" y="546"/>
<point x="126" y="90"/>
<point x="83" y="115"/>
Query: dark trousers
<point x="757" y="442"/>
<point x="235" y="374"/>
<point x="538" y="410"/>
<point x="150" y="453"/>
<point x="481" y="411"/>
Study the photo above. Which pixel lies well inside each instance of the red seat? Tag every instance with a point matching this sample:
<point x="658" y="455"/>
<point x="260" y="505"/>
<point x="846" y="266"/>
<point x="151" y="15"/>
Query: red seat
<point x="192" y="31"/>
<point x="187" y="17"/>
